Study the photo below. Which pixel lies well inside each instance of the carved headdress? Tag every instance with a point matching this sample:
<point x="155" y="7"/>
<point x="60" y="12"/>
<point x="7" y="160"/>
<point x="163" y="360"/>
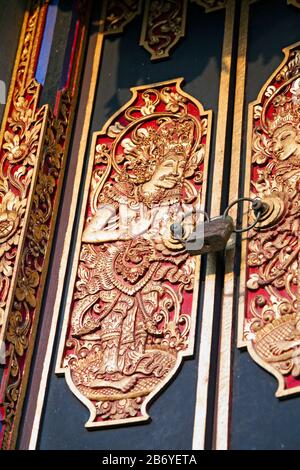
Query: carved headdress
<point x="148" y="146"/>
<point x="286" y="108"/>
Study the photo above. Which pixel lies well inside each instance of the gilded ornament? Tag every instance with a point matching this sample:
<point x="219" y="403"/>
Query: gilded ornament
<point x="164" y="24"/>
<point x="33" y="149"/>
<point x="131" y="318"/>
<point x="119" y="13"/>
<point x="271" y="324"/>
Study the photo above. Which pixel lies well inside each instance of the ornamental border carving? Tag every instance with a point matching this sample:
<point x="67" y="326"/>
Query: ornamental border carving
<point x="33" y="151"/>
<point x="119" y="13"/>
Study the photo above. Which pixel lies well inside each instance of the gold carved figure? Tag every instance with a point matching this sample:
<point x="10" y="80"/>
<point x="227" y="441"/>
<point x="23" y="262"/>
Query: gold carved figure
<point x="272" y="326"/>
<point x="131" y="317"/>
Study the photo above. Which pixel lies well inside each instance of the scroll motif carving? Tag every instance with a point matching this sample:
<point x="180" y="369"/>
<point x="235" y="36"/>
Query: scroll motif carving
<point x="134" y="292"/>
<point x="32" y="159"/>
<point x="33" y="257"/>
<point x="271" y="327"/>
<point x="211" y="5"/>
<point x="119" y="13"/>
<point x="163" y="25"/>
<point x="22" y="140"/>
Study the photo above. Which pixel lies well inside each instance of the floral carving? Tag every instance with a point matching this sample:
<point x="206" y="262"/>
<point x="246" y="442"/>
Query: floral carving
<point x="163" y="26"/>
<point x="131" y="317"/>
<point x="33" y="259"/>
<point x="32" y="159"/>
<point x="119" y="14"/>
<point x="19" y="157"/>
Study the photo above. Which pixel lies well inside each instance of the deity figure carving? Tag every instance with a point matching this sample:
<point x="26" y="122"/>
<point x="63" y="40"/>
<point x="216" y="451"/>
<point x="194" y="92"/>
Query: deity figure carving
<point x="272" y="324"/>
<point x="131" y="318"/>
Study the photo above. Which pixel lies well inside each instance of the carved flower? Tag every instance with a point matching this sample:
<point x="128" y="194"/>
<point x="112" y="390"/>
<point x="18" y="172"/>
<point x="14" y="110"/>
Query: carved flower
<point x="26" y="287"/>
<point x="45" y="186"/>
<point x="256" y="258"/>
<point x="16" y="150"/>
<point x="11" y="210"/>
<point x="53" y="149"/>
<point x="261" y="147"/>
<point x="22" y="113"/>
<point x="17" y="332"/>
<point x="173" y="100"/>
<point x="119" y="409"/>
<point x="40" y="233"/>
<point x="22" y="148"/>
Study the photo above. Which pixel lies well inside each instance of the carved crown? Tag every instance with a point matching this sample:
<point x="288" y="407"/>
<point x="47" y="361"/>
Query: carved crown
<point x="148" y="146"/>
<point x="287" y="108"/>
<point x="288" y="114"/>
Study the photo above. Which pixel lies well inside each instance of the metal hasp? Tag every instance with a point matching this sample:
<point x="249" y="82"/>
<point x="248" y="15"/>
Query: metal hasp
<point x="209" y="237"/>
<point x="212" y="235"/>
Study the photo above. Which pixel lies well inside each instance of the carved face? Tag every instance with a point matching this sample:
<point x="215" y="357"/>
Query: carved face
<point x="286" y="142"/>
<point x="169" y="172"/>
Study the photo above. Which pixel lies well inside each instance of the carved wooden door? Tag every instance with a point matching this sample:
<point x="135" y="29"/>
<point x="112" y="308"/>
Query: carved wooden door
<point x="119" y="111"/>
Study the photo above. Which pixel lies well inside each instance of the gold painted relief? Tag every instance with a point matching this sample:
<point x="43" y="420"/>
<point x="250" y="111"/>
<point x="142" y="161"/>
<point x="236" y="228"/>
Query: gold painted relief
<point x="20" y="141"/>
<point x="211" y="5"/>
<point x="118" y="13"/>
<point x="34" y="144"/>
<point x="133" y="293"/>
<point x="272" y="321"/>
<point x="164" y="24"/>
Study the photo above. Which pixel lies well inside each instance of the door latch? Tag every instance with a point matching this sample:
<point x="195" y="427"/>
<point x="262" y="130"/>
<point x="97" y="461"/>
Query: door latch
<point x="212" y="235"/>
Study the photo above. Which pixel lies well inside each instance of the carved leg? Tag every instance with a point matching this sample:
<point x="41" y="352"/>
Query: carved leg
<point x="111" y="330"/>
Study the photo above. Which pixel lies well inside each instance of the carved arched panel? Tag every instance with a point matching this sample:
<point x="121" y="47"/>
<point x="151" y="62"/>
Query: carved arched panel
<point x="271" y="254"/>
<point x="133" y="292"/>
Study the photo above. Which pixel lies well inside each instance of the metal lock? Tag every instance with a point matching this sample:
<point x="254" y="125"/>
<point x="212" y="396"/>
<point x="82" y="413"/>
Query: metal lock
<point x="209" y="237"/>
<point x="212" y="235"/>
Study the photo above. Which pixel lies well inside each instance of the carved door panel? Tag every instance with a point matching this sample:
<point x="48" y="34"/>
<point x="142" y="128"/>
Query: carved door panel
<point x="184" y="105"/>
<point x="150" y="321"/>
<point x="268" y="297"/>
